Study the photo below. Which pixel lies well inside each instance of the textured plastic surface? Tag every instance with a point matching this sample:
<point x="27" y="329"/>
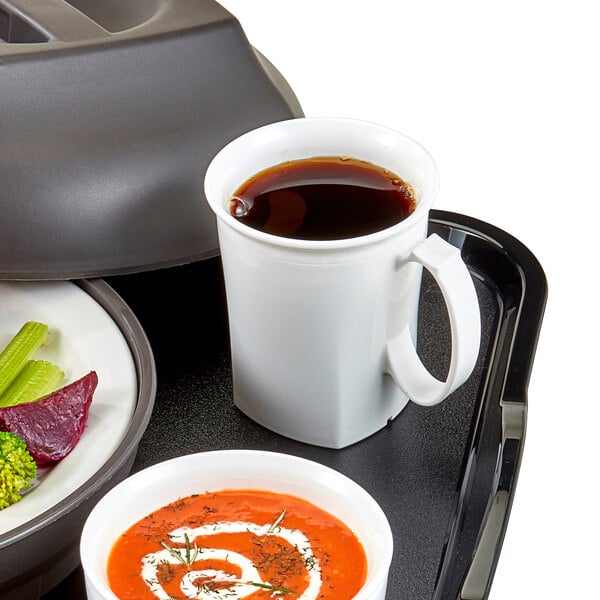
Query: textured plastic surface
<point x="444" y="475"/>
<point x="110" y="112"/>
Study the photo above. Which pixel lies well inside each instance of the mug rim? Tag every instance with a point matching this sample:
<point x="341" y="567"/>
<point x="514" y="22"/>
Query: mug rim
<point x="216" y="201"/>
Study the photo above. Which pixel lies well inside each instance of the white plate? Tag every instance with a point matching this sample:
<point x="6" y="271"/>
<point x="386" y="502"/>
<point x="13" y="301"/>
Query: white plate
<point x="83" y="338"/>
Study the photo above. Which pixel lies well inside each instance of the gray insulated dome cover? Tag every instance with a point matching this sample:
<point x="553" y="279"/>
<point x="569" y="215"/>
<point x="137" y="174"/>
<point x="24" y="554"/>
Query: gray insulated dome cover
<point x="110" y="112"/>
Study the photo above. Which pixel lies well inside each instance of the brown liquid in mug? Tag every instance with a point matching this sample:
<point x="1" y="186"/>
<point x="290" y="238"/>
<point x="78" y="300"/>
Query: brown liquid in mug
<point x="323" y="198"/>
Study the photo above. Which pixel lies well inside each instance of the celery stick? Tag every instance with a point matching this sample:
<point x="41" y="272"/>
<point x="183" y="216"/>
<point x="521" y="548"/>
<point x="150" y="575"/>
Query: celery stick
<point x="35" y="380"/>
<point x="19" y="350"/>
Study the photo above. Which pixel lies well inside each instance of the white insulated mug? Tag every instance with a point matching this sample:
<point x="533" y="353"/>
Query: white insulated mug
<point x="323" y="333"/>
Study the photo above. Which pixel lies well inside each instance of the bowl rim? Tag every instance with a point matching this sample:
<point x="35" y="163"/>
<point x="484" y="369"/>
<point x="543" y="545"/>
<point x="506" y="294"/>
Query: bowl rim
<point x="380" y="570"/>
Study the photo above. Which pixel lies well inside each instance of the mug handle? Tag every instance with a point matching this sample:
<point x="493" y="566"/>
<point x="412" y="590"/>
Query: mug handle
<point x="444" y="262"/>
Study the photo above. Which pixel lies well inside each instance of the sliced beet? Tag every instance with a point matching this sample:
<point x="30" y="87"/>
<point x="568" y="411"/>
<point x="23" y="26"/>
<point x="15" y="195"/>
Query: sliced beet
<point x="52" y="426"/>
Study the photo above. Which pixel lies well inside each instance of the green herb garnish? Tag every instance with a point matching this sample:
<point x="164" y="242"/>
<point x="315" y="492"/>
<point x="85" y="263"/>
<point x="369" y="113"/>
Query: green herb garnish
<point x="186" y="555"/>
<point x="275" y="524"/>
<point x="266" y="586"/>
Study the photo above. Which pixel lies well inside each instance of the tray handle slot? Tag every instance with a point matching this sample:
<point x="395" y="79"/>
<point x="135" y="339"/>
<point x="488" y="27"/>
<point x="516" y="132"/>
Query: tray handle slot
<point x="477" y="582"/>
<point x="50" y="20"/>
<point x="117" y="15"/>
<point x="14" y="30"/>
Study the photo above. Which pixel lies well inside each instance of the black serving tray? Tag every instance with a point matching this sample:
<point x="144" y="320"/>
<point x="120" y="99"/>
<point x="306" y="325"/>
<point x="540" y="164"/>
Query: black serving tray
<point x="445" y="476"/>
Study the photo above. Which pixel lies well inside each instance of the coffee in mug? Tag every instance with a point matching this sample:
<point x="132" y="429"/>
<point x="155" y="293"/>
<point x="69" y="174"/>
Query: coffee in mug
<point x="323" y="198"/>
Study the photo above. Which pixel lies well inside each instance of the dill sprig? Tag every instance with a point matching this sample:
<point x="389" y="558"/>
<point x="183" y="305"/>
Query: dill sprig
<point x="273" y="588"/>
<point x="187" y="555"/>
<point x="276" y="523"/>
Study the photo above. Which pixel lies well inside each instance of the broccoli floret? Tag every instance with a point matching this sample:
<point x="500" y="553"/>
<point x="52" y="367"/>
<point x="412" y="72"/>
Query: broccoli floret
<point x="17" y="468"/>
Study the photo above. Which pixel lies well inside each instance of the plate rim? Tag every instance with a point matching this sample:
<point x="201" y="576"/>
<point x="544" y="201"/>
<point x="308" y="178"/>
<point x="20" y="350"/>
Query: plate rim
<point x="145" y="368"/>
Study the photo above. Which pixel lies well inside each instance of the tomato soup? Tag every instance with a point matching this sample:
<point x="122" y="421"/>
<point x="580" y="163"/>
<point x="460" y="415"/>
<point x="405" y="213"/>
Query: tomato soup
<point x="237" y="544"/>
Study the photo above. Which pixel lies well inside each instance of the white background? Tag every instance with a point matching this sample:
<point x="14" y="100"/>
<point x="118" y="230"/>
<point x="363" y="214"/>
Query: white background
<point x="505" y="96"/>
